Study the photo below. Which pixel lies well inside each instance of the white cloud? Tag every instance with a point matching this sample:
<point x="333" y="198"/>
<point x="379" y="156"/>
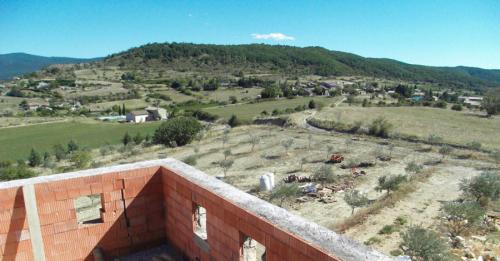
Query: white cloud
<point x="274" y="37"/>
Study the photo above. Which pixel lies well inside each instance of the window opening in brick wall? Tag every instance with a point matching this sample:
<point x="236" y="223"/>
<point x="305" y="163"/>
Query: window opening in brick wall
<point x="88" y="209"/>
<point x="200" y="222"/>
<point x="253" y="250"/>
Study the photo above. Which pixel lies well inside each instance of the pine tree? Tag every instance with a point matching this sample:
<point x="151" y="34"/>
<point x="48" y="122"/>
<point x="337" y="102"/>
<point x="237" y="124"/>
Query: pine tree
<point x="34" y="159"/>
<point x="123" y="109"/>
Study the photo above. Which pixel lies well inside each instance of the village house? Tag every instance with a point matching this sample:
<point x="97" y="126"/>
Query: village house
<point x="472" y="101"/>
<point x="148" y="114"/>
<point x="33" y="106"/>
<point x="137" y="116"/>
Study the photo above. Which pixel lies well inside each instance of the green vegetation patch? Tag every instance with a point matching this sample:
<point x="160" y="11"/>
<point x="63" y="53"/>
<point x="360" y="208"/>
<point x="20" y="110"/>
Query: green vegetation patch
<point x="17" y="142"/>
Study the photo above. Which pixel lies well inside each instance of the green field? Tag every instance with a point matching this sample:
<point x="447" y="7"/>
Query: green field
<point x="16" y="143"/>
<point x="248" y="111"/>
<point x="454" y="127"/>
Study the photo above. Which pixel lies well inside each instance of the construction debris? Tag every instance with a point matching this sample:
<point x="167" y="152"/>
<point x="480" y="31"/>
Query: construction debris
<point x="292" y="178"/>
<point x="336" y="158"/>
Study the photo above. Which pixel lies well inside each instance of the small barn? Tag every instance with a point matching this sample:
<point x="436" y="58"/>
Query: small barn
<point x="137" y="116"/>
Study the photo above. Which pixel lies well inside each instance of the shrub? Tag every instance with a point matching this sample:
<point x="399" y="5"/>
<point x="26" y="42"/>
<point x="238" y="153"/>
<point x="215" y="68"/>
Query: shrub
<point x="34" y="159"/>
<point x="325" y="175"/>
<point x="413" y="167"/>
<point x="233" y="121"/>
<point x="380" y="127"/>
<point x="126" y="139"/>
<point x="81" y="159"/>
<point x="372" y="240"/>
<point x="396" y="252"/>
<point x="284" y="192"/>
<point x="461" y="216"/>
<point x="387" y="230"/>
<point x="16" y="172"/>
<point x="177" y="132"/>
<point x="434" y="139"/>
<point x="445" y="150"/>
<point x="138" y="138"/>
<point x="475" y="145"/>
<point x="59" y="152"/>
<point x="400" y="221"/>
<point x="72" y="146"/>
<point x="486" y="186"/>
<point x="311" y="104"/>
<point x="389" y="183"/>
<point x="423" y="244"/>
<point x="191" y="160"/>
<point x="456" y="107"/>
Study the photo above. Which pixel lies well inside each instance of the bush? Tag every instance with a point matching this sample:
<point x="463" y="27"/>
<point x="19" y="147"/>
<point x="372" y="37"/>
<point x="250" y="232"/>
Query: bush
<point x="325" y="175"/>
<point x="380" y="127"/>
<point x="461" y="216"/>
<point x="372" y="240"/>
<point x="34" y="159"/>
<point x="388" y="229"/>
<point x="400" y="221"/>
<point x="389" y="183"/>
<point x="413" y="167"/>
<point x="233" y="121"/>
<point x="475" y="145"/>
<point x="434" y="139"/>
<point x="59" y="152"/>
<point x="191" y="160"/>
<point x="16" y="172"/>
<point x="204" y="116"/>
<point x="482" y="188"/>
<point x="284" y="192"/>
<point x="81" y="159"/>
<point x="456" y="107"/>
<point x="423" y="244"/>
<point x="177" y="132"/>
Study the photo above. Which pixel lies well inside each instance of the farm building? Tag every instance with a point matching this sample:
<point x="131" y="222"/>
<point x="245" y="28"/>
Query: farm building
<point x="148" y="114"/>
<point x="471" y="100"/>
<point x="137" y="116"/>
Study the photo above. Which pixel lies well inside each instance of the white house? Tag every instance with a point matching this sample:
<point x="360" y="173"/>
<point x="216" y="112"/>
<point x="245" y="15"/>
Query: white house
<point x="471" y="100"/>
<point x="137" y="116"/>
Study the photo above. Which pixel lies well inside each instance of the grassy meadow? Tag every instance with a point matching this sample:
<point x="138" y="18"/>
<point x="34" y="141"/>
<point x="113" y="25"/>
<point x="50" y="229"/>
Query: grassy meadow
<point x="454" y="127"/>
<point x="17" y="142"/>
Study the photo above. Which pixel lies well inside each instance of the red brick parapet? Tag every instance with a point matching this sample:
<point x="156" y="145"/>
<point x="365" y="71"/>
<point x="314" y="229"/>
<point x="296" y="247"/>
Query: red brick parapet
<point x="150" y="203"/>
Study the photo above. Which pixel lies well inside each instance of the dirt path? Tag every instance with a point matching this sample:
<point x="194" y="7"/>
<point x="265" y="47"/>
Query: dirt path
<point x="419" y="208"/>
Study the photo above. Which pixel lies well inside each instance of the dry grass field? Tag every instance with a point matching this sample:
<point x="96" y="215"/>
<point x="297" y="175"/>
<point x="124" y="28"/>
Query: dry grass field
<point x="454" y="127"/>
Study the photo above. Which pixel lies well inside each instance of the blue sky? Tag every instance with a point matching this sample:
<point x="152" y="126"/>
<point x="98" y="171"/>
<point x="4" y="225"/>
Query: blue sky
<point x="430" y="32"/>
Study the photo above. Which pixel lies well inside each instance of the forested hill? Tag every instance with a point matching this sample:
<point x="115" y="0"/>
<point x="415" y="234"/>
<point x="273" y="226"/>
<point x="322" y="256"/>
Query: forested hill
<point x="294" y="60"/>
<point x="14" y="64"/>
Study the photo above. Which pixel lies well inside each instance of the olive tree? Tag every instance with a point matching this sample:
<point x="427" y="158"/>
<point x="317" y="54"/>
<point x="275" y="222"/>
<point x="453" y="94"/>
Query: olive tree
<point x="422" y="244"/>
<point x="461" y="216"/>
<point x="482" y="188"/>
<point x="390" y="183"/>
<point x="355" y="199"/>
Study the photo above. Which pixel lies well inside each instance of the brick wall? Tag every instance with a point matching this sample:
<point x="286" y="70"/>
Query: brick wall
<point x="15" y="241"/>
<point x="150" y="203"/>
<point x="227" y="226"/>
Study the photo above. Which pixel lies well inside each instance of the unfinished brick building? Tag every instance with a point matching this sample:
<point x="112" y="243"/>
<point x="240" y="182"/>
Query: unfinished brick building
<point x="146" y="204"/>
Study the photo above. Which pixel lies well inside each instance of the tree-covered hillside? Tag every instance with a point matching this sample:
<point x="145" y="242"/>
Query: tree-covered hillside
<point x="294" y="60"/>
<point x="15" y="64"/>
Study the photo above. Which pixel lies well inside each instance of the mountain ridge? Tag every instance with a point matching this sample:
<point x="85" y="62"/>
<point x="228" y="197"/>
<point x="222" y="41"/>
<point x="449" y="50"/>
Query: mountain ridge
<point x="18" y="63"/>
<point x="291" y="59"/>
